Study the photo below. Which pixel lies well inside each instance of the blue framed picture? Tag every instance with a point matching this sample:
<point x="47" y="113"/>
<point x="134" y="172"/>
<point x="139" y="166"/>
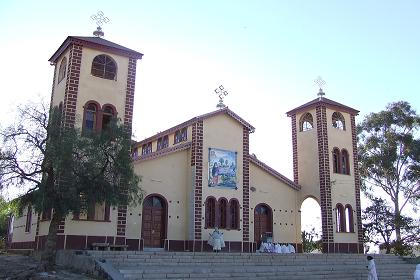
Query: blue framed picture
<point x="222" y="168"/>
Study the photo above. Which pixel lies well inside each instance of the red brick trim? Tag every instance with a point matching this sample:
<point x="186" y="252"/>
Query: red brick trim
<point x="129" y="94"/>
<point x="72" y="85"/>
<point x="197" y="162"/>
<point x="121" y="220"/>
<point x="295" y="153"/>
<point x="274" y="173"/>
<point x="324" y="177"/>
<point x="356" y="179"/>
<point x="245" y="182"/>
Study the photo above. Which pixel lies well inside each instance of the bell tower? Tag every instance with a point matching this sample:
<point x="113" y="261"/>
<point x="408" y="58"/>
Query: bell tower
<point x="325" y="165"/>
<point x="94" y="81"/>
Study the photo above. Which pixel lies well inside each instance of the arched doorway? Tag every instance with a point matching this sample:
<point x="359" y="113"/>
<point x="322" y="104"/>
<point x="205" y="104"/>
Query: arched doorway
<point x="263" y="223"/>
<point x="153" y="230"/>
<point x="311" y="225"/>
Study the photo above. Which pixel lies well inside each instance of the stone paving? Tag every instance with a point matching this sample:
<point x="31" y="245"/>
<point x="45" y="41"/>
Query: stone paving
<point x="19" y="267"/>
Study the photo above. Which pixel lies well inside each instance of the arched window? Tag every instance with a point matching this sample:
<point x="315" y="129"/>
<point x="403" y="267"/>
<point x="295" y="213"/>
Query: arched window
<point x="234" y="214"/>
<point x="107" y="114"/>
<point x="340" y="217"/>
<point x="306" y="122"/>
<point x="336" y="160"/>
<point x="104" y="67"/>
<point x="90" y="118"/>
<point x="210" y="212"/>
<point x="223" y="213"/>
<point x="62" y="70"/>
<point x="349" y="218"/>
<point x="338" y="121"/>
<point x="345" y="168"/>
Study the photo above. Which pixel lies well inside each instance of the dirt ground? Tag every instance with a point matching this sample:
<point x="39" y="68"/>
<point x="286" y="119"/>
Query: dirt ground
<point x="19" y="267"/>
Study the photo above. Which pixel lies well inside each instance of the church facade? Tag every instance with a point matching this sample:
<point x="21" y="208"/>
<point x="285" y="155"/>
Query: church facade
<point x="200" y="174"/>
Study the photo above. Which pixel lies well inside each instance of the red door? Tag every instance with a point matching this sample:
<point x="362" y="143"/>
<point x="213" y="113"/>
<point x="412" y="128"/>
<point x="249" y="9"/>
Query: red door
<point x="262" y="223"/>
<point x="154" y="222"/>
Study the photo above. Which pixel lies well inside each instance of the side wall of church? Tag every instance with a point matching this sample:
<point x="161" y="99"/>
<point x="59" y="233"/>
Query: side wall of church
<point x="22" y="239"/>
<point x="283" y="201"/>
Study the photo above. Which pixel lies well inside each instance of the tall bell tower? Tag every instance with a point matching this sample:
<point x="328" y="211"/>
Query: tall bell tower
<point x="325" y="165"/>
<point x="94" y="81"/>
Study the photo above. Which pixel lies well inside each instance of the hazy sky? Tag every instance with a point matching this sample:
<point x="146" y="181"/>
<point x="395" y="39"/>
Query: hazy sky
<point x="265" y="53"/>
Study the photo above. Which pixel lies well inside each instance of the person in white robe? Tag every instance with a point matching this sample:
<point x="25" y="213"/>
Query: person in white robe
<point x="277" y="248"/>
<point x="284" y="249"/>
<point x="417" y="272"/>
<point x="371" y="269"/>
<point x="291" y="248"/>
<point x="216" y="240"/>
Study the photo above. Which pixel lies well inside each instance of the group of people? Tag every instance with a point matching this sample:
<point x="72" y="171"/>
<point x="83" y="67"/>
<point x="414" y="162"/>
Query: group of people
<point x="269" y="247"/>
<point x="216" y="240"/>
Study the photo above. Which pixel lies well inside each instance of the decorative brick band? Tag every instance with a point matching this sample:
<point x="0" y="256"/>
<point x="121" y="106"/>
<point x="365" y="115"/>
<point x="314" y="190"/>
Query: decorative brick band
<point x="129" y="93"/>
<point x="324" y="178"/>
<point x="245" y="186"/>
<point x="121" y="220"/>
<point x="72" y="85"/>
<point x="197" y="162"/>
<point x="356" y="179"/>
<point x="295" y="153"/>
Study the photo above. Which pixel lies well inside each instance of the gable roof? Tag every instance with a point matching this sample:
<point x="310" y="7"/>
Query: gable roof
<point x="95" y="43"/>
<point x="323" y="101"/>
<point x="276" y="174"/>
<point x="225" y="110"/>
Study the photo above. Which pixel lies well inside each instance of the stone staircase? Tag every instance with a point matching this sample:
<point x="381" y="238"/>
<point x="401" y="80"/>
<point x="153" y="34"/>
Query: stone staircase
<point x="213" y="266"/>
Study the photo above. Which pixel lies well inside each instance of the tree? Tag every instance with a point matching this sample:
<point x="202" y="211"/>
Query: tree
<point x="64" y="170"/>
<point x="308" y="243"/>
<point x="389" y="156"/>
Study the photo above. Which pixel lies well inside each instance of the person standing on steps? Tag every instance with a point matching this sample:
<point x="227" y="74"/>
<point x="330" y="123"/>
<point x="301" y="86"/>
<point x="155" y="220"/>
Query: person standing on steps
<point x="417" y="272"/>
<point x="371" y="268"/>
<point x="216" y="240"/>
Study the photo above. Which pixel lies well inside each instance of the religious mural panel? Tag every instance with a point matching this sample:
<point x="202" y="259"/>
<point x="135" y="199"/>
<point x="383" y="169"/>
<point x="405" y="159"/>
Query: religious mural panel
<point x="222" y="168"/>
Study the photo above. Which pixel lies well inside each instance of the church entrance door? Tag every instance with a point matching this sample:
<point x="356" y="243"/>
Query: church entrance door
<point x="154" y="221"/>
<point x="263" y="228"/>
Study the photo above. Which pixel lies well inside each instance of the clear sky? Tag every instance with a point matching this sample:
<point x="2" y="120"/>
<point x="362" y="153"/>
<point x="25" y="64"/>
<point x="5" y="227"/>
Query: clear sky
<point x="265" y="53"/>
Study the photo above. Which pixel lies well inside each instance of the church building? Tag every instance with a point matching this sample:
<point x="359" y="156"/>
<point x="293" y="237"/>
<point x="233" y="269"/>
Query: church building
<point x="200" y="174"/>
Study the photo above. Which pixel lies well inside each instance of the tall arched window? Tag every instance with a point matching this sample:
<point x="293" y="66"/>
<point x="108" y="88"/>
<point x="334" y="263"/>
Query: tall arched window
<point x="336" y="160"/>
<point x="345" y="168"/>
<point x="90" y="118"/>
<point x="340" y="218"/>
<point x="62" y="70"/>
<point x="349" y="218"/>
<point x="234" y="214"/>
<point x="306" y="122"/>
<point x="210" y="212"/>
<point x="107" y="114"/>
<point x="104" y="67"/>
<point x="338" y="121"/>
<point x="223" y="213"/>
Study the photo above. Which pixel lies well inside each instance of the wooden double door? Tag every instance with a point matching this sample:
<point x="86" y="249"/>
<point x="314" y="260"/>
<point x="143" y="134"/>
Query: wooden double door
<point x="154" y="222"/>
<point x="263" y="223"/>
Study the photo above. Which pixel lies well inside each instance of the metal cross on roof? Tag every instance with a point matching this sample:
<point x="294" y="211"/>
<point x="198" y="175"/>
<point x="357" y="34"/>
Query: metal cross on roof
<point x="320" y="82"/>
<point x="100" y="19"/>
<point x="221" y="92"/>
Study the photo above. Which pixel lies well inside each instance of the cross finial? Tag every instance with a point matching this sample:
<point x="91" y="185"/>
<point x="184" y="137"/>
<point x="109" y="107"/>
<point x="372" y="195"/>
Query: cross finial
<point x="100" y="19"/>
<point x="320" y="82"/>
<point x="221" y="92"/>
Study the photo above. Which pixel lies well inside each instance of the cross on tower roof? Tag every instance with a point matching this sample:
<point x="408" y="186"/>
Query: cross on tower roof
<point x="320" y="82"/>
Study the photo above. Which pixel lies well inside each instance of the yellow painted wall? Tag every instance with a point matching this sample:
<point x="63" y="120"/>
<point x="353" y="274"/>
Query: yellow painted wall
<point x="283" y="200"/>
<point x="19" y="225"/>
<point x="223" y="132"/>
<point x="168" y="176"/>
<point x="60" y="87"/>
<point x="342" y="186"/>
<point x="307" y="150"/>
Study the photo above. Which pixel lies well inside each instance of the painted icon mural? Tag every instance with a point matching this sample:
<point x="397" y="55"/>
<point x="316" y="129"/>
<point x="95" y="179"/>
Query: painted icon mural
<point x="222" y="168"/>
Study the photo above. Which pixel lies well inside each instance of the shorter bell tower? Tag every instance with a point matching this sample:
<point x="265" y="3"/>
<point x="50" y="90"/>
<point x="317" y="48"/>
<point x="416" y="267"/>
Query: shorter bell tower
<point x="325" y="166"/>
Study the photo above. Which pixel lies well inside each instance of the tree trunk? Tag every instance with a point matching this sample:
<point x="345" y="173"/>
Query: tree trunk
<point x="397" y="219"/>
<point x="49" y="253"/>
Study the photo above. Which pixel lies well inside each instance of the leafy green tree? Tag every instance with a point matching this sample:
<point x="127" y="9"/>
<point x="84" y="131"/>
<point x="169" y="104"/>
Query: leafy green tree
<point x="389" y="155"/>
<point x="311" y="241"/>
<point x="64" y="170"/>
